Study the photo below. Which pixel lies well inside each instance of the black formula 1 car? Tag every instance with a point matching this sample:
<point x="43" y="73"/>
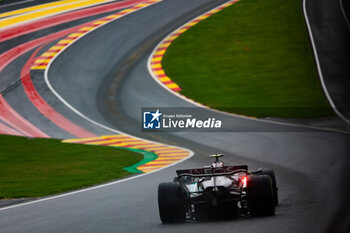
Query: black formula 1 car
<point x="217" y="192"/>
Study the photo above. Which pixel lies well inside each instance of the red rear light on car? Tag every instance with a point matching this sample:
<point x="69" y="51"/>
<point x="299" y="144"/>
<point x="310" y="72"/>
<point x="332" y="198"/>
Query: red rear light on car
<point x="244" y="180"/>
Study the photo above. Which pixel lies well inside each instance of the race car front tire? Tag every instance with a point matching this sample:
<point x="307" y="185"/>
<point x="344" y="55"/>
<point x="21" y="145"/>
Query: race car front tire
<point x="171" y="202"/>
<point x="260" y="195"/>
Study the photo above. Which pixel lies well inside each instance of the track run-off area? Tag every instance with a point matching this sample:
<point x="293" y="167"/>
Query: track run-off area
<point x="83" y="75"/>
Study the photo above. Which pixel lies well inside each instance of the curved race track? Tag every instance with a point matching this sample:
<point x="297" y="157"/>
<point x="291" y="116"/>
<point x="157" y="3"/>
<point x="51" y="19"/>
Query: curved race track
<point x="109" y="68"/>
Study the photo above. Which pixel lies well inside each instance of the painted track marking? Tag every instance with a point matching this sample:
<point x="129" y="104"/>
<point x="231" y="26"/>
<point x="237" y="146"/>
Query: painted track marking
<point x="20" y="124"/>
<point x="174" y="154"/>
<point x="16" y="3"/>
<point x="4" y="129"/>
<point x="44" y="60"/>
<point x="36" y="8"/>
<point x="13" y="119"/>
<point x="26" y="28"/>
<point x="43" y="107"/>
<point x="54" y="10"/>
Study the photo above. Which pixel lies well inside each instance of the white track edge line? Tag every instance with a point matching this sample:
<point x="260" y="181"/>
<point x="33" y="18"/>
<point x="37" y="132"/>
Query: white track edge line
<point x="218" y="111"/>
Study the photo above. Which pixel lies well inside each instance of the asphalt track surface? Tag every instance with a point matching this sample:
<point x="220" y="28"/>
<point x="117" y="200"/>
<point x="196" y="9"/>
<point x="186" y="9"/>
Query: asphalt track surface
<point x="109" y="68"/>
<point x="332" y="35"/>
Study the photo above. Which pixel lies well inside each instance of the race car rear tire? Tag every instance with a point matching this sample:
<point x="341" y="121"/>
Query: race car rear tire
<point x="171" y="202"/>
<point x="271" y="173"/>
<point x="260" y="195"/>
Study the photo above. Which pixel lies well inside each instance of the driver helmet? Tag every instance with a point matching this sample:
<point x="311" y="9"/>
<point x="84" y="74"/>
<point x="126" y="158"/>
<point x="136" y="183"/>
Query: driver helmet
<point x="218" y="164"/>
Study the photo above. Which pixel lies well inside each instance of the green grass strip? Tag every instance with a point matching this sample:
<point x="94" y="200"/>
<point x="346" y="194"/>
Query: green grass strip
<point x="253" y="58"/>
<point x="40" y="167"/>
<point x="147" y="157"/>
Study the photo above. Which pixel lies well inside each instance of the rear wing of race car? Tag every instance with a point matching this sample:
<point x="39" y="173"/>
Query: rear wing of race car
<point x="212" y="171"/>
